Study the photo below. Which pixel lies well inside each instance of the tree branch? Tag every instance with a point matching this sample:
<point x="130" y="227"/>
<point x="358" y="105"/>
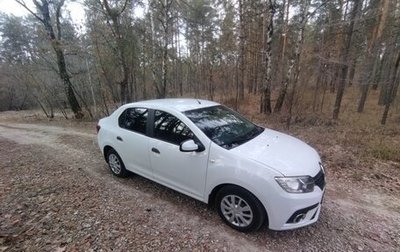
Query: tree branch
<point x="58" y="15"/>
<point x="124" y="7"/>
<point x="22" y="3"/>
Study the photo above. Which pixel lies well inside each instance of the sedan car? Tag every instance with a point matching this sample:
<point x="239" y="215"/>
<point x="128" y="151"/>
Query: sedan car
<point x="254" y="176"/>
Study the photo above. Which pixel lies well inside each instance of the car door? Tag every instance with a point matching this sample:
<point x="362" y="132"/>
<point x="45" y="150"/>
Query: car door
<point x="182" y="171"/>
<point x="132" y="141"/>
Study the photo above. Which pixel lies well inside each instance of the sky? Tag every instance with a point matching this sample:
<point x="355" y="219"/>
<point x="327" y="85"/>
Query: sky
<point x="75" y="8"/>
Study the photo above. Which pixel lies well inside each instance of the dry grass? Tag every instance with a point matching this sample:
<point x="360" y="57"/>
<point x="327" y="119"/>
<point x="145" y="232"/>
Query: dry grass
<point x="386" y="153"/>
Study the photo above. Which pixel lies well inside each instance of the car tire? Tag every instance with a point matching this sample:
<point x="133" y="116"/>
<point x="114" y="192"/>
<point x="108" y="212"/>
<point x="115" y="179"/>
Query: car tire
<point x="240" y="209"/>
<point x="115" y="163"/>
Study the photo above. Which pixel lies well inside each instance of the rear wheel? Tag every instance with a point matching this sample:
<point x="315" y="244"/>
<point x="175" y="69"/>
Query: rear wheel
<point x="240" y="209"/>
<point x="115" y="163"/>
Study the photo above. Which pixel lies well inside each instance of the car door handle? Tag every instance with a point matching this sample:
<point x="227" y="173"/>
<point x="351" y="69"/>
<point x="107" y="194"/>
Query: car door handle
<point x="155" y="150"/>
<point x="119" y="138"/>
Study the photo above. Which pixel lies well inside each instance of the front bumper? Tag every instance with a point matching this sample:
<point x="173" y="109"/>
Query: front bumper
<point x="295" y="210"/>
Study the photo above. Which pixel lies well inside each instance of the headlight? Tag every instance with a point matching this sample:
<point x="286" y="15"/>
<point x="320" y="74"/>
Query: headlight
<point x="322" y="167"/>
<point x="303" y="184"/>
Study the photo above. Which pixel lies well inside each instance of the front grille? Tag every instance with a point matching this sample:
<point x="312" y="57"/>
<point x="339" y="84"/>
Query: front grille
<point x="320" y="179"/>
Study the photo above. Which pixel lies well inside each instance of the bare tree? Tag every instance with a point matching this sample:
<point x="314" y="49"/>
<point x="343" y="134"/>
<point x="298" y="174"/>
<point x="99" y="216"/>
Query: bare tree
<point x="165" y="19"/>
<point x="55" y="38"/>
<point x="242" y="41"/>
<point x="161" y="46"/>
<point x="115" y="13"/>
<point x="297" y="53"/>
<point x="285" y="76"/>
<point x="265" y="106"/>
<point x="345" y="56"/>
<point x="373" y="53"/>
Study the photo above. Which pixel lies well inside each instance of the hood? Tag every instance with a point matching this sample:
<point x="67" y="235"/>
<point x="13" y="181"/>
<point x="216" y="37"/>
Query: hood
<point x="283" y="153"/>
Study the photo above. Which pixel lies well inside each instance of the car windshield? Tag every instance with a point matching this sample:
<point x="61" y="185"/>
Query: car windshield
<point x="223" y="126"/>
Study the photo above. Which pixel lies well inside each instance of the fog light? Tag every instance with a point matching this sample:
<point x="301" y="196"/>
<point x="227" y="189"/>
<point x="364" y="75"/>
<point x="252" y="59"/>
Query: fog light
<point x="299" y="218"/>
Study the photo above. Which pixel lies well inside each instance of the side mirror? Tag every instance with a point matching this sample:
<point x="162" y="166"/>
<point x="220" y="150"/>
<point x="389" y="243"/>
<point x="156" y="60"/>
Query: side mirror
<point x="188" y="146"/>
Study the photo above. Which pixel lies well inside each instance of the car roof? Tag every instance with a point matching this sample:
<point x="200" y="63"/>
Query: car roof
<point x="178" y="104"/>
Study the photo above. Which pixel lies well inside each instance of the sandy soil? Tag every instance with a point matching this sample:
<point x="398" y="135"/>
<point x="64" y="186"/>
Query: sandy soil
<point x="57" y="194"/>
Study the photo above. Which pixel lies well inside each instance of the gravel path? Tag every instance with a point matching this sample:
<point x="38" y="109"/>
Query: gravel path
<point x="57" y="194"/>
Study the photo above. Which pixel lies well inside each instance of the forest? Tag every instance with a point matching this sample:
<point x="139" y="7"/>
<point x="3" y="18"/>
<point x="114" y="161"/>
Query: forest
<point x="324" y="71"/>
<point x="294" y="58"/>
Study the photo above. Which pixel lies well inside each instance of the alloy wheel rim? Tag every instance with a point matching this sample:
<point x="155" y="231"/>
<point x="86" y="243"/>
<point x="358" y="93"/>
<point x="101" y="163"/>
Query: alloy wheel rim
<point x="114" y="163"/>
<point x="236" y="211"/>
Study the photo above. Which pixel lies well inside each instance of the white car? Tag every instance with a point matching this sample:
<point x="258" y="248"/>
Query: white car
<point x="202" y="149"/>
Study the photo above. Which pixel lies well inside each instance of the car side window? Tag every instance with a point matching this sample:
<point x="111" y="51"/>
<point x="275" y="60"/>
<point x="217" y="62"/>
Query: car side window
<point x="134" y="119"/>
<point x="170" y="129"/>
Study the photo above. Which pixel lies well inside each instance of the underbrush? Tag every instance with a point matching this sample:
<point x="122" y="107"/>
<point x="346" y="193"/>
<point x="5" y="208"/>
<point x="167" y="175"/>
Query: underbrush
<point x="360" y="134"/>
<point x="386" y="153"/>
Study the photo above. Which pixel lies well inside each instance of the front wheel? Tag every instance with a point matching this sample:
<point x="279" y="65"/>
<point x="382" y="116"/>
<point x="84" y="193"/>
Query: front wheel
<point x="115" y="163"/>
<point x="240" y="209"/>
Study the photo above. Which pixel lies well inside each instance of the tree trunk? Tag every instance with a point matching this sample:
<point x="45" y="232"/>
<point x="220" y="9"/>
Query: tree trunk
<point x="378" y="75"/>
<point x="317" y="86"/>
<point x="265" y="106"/>
<point x="285" y="76"/>
<point x="304" y="9"/>
<point x="352" y="71"/>
<point x="164" y="69"/>
<point x="388" y="67"/>
<point x="333" y="83"/>
<point x="284" y="87"/>
<point x="392" y="90"/>
<point x="73" y="102"/>
<point x="363" y="98"/>
<point x="210" y="83"/>
<point x="41" y="106"/>
<point x="366" y="83"/>
<point x="373" y="52"/>
<point x="114" y="15"/>
<point x="103" y="72"/>
<point x="345" y="55"/>
<point x="91" y="86"/>
<point x="242" y="39"/>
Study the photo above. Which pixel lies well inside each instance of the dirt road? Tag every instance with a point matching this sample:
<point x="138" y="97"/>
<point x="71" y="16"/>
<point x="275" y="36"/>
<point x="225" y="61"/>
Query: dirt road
<point x="57" y="194"/>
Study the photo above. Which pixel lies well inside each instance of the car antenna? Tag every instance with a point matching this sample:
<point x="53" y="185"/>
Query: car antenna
<point x="198" y="101"/>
